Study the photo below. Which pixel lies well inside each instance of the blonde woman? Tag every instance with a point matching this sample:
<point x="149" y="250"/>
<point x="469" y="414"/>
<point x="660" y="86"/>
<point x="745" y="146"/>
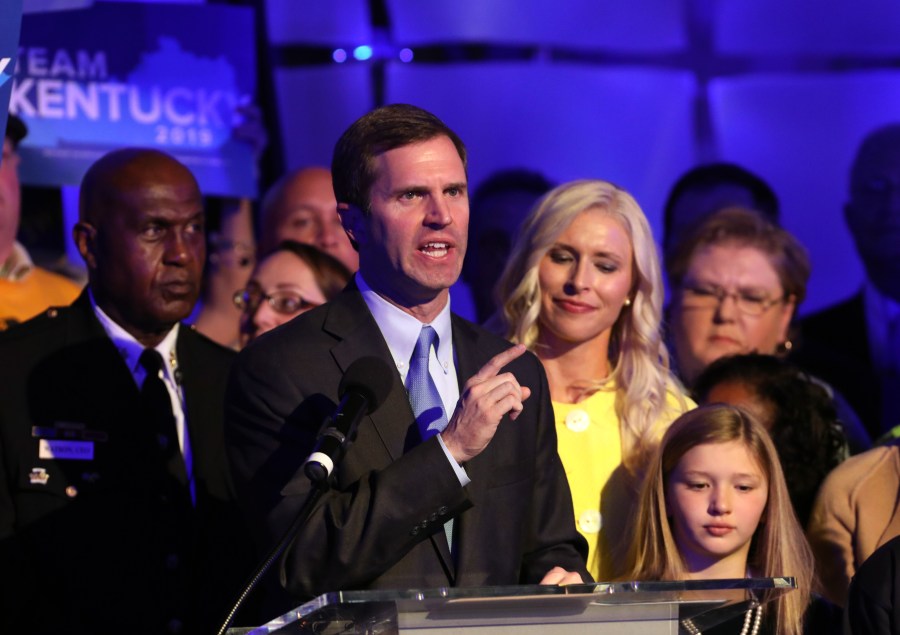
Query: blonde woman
<point x="583" y="291"/>
<point x="715" y="505"/>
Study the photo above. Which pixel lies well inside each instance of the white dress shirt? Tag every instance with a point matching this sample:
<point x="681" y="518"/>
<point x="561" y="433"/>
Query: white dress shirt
<point x="130" y="350"/>
<point x="400" y="331"/>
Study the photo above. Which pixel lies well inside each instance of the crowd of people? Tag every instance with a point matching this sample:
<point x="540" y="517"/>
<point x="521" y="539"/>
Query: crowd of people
<point x="558" y="407"/>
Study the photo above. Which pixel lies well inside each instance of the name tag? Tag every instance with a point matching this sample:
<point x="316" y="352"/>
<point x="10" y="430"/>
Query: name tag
<point x="72" y="450"/>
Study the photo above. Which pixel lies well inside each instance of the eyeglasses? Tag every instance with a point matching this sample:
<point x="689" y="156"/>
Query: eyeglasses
<point x="711" y="297"/>
<point x="283" y="301"/>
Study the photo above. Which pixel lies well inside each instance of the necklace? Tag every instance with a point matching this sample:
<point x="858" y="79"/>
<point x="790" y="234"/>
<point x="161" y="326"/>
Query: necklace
<point x="753" y="616"/>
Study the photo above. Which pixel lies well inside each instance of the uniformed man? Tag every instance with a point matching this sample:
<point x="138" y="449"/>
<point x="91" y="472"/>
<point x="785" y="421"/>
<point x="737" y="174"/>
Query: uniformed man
<point x="115" y="500"/>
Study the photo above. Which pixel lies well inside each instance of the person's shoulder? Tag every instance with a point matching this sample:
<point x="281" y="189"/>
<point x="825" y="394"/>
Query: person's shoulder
<point x="36" y="329"/>
<point x="834" y="315"/>
<point x="30" y="343"/>
<point x="204" y="346"/>
<point x="858" y="469"/>
<point x="57" y="282"/>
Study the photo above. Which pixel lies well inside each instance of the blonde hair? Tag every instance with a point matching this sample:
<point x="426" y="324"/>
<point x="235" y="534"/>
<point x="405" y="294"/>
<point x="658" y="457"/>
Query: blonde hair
<point x="778" y="548"/>
<point x="638" y="358"/>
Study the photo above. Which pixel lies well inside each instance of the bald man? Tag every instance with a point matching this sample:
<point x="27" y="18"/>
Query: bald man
<point x="106" y="518"/>
<point x="302" y="207"/>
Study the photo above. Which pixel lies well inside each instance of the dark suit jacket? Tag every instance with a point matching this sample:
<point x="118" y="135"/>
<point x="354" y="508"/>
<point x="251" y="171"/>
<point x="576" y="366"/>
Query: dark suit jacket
<point x="381" y="525"/>
<point x="89" y="544"/>
<point x="833" y="344"/>
<point x="873" y="606"/>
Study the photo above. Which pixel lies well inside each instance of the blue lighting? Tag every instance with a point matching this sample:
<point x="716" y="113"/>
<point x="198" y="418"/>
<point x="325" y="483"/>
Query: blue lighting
<point x="362" y="53"/>
<point x="339" y="56"/>
<point x="406" y="55"/>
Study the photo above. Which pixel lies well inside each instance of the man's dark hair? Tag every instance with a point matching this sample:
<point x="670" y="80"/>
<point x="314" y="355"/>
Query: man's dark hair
<point x="383" y="129"/>
<point x="712" y="174"/>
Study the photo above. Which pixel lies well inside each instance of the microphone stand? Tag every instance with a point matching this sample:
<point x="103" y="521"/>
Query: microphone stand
<point x="275" y="553"/>
<point x="352" y="401"/>
<point x="321" y="481"/>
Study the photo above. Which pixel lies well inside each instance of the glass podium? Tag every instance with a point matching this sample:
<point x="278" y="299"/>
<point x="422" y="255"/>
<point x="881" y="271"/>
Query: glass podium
<point x="626" y="608"/>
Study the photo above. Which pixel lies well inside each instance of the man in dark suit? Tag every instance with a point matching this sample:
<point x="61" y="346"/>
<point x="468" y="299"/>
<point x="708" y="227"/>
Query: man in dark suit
<point x="873" y="605"/>
<point x="855" y="344"/>
<point x="109" y="523"/>
<point x="493" y="471"/>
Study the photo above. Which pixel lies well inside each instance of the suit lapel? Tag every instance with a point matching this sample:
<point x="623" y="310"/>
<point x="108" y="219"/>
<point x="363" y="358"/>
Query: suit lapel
<point x="358" y="336"/>
<point x="85" y="333"/>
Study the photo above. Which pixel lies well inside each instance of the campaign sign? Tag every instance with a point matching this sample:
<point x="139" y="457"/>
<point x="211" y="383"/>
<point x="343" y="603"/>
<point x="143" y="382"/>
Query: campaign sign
<point x="163" y="76"/>
<point x="10" y="18"/>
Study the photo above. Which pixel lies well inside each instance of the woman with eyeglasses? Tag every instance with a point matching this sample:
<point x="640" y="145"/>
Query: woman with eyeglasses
<point x="289" y="281"/>
<point x="736" y="283"/>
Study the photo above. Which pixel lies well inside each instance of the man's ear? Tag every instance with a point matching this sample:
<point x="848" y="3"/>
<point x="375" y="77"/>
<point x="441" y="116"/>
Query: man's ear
<point x="85" y="237"/>
<point x="352" y="220"/>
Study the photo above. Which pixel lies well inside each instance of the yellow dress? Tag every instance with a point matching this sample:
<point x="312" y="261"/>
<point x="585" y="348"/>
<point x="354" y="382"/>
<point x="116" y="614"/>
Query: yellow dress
<point x="604" y="494"/>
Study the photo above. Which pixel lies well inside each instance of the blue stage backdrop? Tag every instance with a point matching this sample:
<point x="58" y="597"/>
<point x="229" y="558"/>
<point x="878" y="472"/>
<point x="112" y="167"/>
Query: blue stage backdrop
<point x="10" y="19"/>
<point x="163" y="76"/>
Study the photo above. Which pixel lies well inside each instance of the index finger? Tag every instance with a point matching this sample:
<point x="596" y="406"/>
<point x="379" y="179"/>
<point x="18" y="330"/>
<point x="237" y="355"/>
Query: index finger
<point x="498" y="361"/>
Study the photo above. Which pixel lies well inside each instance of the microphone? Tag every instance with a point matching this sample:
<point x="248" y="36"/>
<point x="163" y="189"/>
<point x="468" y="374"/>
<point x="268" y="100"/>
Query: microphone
<point x="363" y="388"/>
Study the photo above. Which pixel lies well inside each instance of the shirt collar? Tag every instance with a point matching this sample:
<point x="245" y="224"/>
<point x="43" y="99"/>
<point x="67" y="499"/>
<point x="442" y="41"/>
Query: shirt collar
<point x="130" y="349"/>
<point x="18" y="265"/>
<point x="401" y="330"/>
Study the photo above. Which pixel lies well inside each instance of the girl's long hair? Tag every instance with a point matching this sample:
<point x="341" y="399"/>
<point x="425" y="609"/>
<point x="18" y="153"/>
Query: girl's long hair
<point x="779" y="547"/>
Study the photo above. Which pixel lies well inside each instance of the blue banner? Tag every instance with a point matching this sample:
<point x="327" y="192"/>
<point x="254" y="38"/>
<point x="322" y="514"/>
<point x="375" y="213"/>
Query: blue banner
<point x="164" y="76"/>
<point x="10" y="19"/>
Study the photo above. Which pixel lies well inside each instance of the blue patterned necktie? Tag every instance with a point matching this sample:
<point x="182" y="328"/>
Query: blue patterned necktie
<point x="425" y="398"/>
<point x="423" y="394"/>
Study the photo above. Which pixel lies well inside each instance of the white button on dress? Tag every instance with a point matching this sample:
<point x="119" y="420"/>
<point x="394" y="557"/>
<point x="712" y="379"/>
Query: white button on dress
<point x="578" y="420"/>
<point x="589" y="521"/>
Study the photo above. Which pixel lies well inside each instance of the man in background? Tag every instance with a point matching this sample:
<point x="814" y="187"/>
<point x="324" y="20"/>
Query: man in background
<point x="854" y="345"/>
<point x="25" y="289"/>
<point x="301" y="207"/>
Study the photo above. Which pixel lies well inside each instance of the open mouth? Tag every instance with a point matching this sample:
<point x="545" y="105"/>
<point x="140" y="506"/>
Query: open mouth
<point x="435" y="250"/>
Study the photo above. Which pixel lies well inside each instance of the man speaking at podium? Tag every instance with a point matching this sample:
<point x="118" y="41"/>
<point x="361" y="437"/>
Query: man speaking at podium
<point x="454" y="479"/>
